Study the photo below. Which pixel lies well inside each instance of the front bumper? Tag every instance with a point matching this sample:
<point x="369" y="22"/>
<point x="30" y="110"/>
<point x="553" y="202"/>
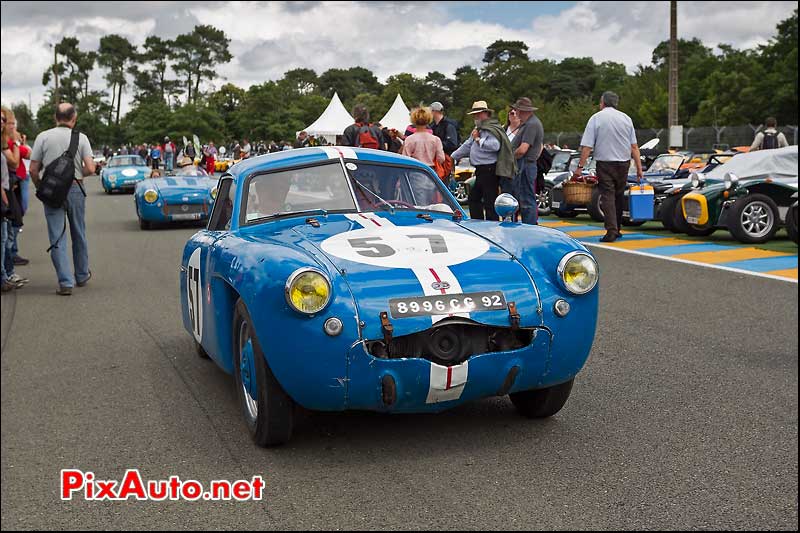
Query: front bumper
<point x="415" y="387"/>
<point x="162" y="212"/>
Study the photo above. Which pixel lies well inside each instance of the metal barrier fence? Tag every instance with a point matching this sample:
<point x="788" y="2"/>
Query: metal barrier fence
<point x="701" y="139"/>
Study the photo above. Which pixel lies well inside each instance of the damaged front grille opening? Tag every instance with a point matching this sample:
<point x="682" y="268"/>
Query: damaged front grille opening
<point x="452" y="341"/>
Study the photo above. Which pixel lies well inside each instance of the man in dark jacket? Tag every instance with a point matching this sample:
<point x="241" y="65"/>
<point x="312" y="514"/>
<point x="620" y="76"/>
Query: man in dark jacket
<point x="362" y="133"/>
<point x="444" y="128"/>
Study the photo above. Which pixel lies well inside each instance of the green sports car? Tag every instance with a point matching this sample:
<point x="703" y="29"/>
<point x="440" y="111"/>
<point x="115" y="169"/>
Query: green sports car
<point x="750" y="195"/>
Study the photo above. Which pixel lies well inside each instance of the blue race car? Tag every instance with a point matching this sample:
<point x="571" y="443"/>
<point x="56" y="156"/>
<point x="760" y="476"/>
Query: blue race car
<point x="187" y="195"/>
<point x="124" y="172"/>
<point x="339" y="278"/>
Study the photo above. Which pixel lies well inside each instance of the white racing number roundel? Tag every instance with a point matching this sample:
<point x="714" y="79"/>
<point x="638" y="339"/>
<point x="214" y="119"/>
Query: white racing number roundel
<point x="194" y="293"/>
<point x="129" y="172"/>
<point x="405" y="247"/>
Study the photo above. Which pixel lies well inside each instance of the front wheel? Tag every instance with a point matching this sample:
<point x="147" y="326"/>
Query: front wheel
<point x="754" y="219"/>
<point x="462" y="192"/>
<point x="268" y="411"/>
<point x="541" y="403"/>
<point x="144" y="224"/>
<point x="594" y="207"/>
<point x="791" y="223"/>
<point x="544" y="201"/>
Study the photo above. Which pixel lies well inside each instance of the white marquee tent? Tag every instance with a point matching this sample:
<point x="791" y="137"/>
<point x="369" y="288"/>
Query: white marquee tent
<point x="398" y="116"/>
<point x="331" y="122"/>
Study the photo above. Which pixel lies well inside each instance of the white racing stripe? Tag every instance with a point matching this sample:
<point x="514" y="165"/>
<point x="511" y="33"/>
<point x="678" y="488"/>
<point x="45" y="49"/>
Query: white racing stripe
<point x="447" y="382"/>
<point x="334" y="152"/>
<point x="427" y="276"/>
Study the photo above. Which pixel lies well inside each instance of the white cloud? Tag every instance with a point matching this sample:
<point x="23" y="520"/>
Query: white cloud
<point x="269" y="38"/>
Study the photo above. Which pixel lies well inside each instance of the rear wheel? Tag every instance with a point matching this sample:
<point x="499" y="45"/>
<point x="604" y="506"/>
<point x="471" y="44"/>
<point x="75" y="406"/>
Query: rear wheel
<point x="754" y="219"/>
<point x="268" y="411"/>
<point x="541" y="403"/>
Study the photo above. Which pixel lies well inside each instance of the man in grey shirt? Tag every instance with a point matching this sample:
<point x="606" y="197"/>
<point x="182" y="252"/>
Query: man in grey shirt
<point x="611" y="134"/>
<point x="527" y="146"/>
<point x="48" y="147"/>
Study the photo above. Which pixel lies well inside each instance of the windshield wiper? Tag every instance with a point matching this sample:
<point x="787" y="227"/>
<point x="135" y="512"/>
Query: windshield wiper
<point x="323" y="212"/>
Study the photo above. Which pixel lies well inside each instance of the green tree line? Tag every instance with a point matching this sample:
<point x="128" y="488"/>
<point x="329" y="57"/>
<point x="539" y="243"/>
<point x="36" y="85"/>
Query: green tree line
<point x="170" y="84"/>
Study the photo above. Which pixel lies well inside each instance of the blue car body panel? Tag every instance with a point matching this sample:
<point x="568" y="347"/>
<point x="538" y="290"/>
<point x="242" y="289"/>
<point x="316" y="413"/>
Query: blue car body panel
<point x="123" y="177"/>
<point x="179" y="198"/>
<point x="322" y="372"/>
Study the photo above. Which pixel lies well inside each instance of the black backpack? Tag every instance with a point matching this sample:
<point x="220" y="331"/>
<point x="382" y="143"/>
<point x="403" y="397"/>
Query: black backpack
<point x="58" y="176"/>
<point x="770" y="141"/>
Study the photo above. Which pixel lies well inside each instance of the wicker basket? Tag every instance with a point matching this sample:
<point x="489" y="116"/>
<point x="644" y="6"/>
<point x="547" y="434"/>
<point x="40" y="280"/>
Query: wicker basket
<point x="577" y="193"/>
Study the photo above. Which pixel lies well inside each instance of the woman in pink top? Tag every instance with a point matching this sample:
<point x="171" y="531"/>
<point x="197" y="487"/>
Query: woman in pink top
<point x="423" y="145"/>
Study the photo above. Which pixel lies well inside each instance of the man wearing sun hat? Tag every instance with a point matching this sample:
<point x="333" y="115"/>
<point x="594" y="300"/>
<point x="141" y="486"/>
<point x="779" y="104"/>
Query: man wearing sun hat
<point x="490" y="153"/>
<point x="527" y="145"/>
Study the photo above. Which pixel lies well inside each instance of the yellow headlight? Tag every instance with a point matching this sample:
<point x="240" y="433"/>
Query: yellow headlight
<point x="578" y="272"/>
<point x="308" y="291"/>
<point x="214" y="193"/>
<point x="150" y="196"/>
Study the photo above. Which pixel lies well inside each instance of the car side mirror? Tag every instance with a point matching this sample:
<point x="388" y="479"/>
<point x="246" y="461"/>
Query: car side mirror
<point x="505" y="206"/>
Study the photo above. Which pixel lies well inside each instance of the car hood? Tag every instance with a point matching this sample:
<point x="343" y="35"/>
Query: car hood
<point x="384" y="256"/>
<point x="177" y="187"/>
<point x="122" y="173"/>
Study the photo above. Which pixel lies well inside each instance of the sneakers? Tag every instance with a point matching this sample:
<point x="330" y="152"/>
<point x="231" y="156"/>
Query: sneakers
<point x="64" y="291"/>
<point x="84" y="282"/>
<point x="17" y="280"/>
<point x="21" y="261"/>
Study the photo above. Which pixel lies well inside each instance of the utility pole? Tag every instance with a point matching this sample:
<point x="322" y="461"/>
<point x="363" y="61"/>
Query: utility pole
<point x="55" y="74"/>
<point x="673" y="64"/>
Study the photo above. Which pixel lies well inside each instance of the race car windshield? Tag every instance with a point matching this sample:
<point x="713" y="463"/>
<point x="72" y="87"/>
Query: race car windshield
<point x="298" y="190"/>
<point x="132" y="161"/>
<point x="400" y="187"/>
<point x="560" y="162"/>
<point x="666" y="163"/>
<point x="190" y="170"/>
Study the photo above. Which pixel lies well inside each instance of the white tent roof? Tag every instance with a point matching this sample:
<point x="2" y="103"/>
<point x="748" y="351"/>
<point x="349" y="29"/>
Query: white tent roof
<point x="398" y="115"/>
<point x="332" y="121"/>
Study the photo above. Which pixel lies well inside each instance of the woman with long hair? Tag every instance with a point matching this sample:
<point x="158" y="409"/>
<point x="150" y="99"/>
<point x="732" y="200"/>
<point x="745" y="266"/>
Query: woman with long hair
<point x="423" y="145"/>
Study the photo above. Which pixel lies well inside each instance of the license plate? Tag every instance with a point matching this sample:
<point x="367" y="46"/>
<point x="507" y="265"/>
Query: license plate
<point x="186" y="216"/>
<point x="556" y="204"/>
<point x="447" y="304"/>
<point x="692" y="220"/>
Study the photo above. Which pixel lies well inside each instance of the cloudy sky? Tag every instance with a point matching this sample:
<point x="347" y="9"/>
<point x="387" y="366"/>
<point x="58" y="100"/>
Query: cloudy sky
<point x="269" y="38"/>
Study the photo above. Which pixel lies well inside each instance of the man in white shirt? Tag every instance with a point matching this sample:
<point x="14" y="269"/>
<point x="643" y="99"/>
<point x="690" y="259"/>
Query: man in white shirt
<point x="611" y="134"/>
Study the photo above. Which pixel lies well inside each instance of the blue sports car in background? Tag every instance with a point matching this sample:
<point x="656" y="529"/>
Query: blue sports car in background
<point x="187" y="195"/>
<point x="344" y="278"/>
<point x="124" y="172"/>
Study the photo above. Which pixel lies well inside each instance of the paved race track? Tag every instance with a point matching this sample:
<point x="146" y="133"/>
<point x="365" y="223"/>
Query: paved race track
<point x="684" y="417"/>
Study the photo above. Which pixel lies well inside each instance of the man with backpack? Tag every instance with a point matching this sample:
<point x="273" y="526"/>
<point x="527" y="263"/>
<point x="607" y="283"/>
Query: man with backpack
<point x="769" y="138"/>
<point x="61" y="158"/>
<point x="362" y="133"/>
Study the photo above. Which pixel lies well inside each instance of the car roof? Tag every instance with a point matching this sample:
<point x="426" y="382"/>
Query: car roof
<point x="316" y="154"/>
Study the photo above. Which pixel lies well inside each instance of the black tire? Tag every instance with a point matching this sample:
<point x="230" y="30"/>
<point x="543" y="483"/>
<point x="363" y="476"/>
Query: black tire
<point x="594" y="207"/>
<point x="272" y="425"/>
<point x="201" y="352"/>
<point x="544" y="201"/>
<point x="566" y="213"/>
<point x="791" y="223"/>
<point x="667" y="214"/>
<point x="144" y="224"/>
<point x="541" y="403"/>
<point x="738" y="230"/>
